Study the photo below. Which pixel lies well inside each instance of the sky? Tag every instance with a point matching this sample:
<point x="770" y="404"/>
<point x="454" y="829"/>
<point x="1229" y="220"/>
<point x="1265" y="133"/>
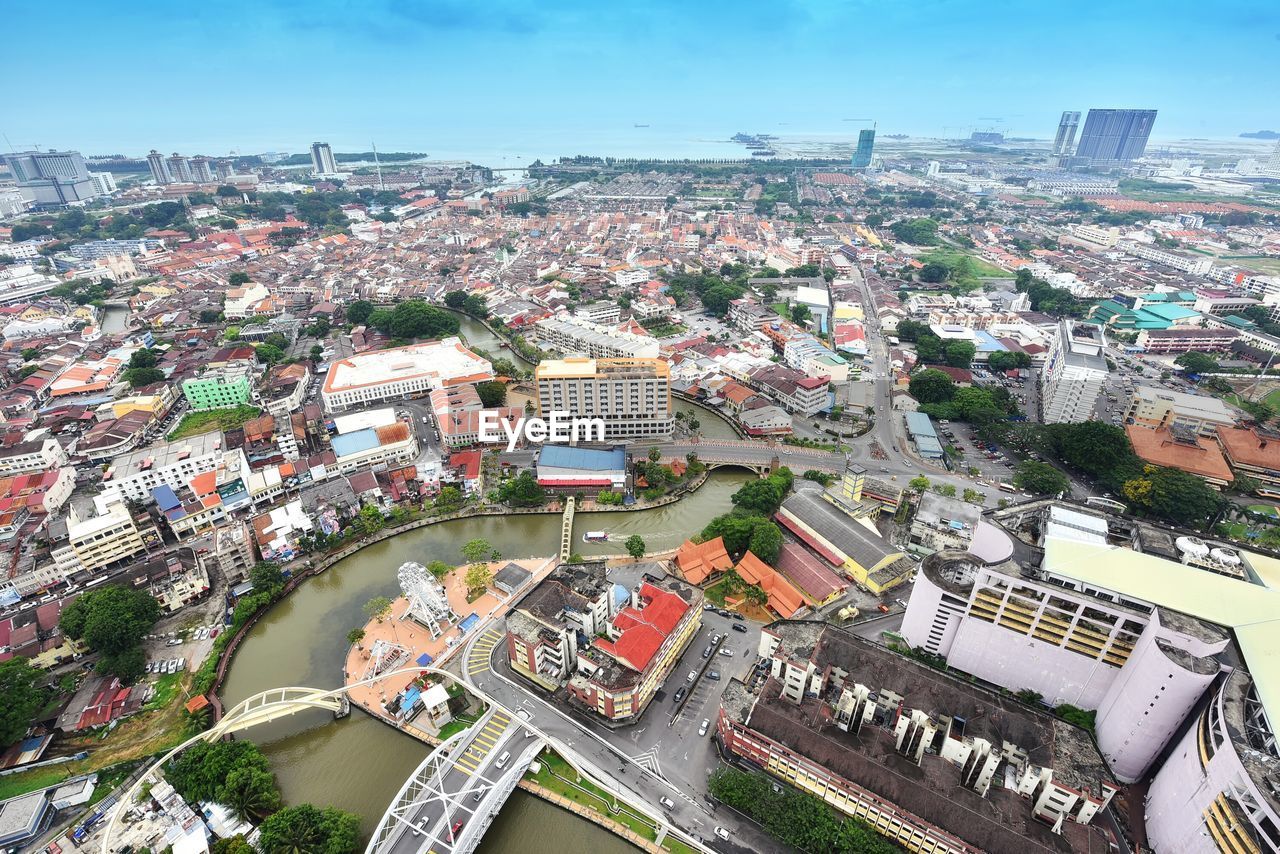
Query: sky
<point x="509" y="76"/>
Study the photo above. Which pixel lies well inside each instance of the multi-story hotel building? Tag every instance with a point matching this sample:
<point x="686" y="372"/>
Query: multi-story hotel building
<point x="1168" y="637"/>
<point x="400" y="372"/>
<point x="1155" y="407"/>
<point x="631" y="396"/>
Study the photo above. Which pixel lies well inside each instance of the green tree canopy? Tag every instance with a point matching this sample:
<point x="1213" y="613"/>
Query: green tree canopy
<point x="139" y="377"/>
<point x="766" y="541"/>
<point x="307" y="829"/>
<point x="199" y="772"/>
<point x="415" y="319"/>
<point x="762" y="497"/>
<point x="492" y="393"/>
<point x="636" y="546"/>
<point x="455" y="299"/>
<point x="921" y="231"/>
<point x="934" y="272"/>
<point x="1197" y="363"/>
<point x="1040" y="478"/>
<point x="522" y="491"/>
<point x="1006" y="361"/>
<point x="358" y="312"/>
<point x="1174" y="496"/>
<point x="932" y="386"/>
<point x="22" y="694"/>
<point x="112" y="620"/>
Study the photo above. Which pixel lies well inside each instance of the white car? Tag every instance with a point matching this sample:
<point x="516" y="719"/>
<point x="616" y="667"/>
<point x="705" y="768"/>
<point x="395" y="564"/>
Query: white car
<point x="727" y="652"/>
<point x="702" y="730"/>
<point x="667" y="802"/>
<point x="722" y="833"/>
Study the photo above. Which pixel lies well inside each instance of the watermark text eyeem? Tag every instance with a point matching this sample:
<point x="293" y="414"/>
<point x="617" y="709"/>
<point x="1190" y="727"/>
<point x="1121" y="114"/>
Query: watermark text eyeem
<point x="559" y="428"/>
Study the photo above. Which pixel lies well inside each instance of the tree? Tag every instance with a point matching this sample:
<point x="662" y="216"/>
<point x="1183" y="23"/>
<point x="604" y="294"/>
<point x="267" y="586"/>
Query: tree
<point x="317" y="352"/>
<point x="455" y="299"/>
<point x="307" y="829"/>
<point x="232" y="844"/>
<point x="1245" y="485"/>
<point x="1002" y="360"/>
<point x="636" y="546"/>
<point x="919" y="483"/>
<point x="1174" y="496"/>
<point x="476" y="551"/>
<point x="449" y="499"/>
<point x="415" y="319"/>
<point x="199" y="772"/>
<point x="238" y="278"/>
<point x="973" y="496"/>
<point x="475" y="304"/>
<point x="139" y="377"/>
<point x="1101" y="451"/>
<point x="766" y="541"/>
<point x="1197" y="363"/>
<point x="143" y="358"/>
<point x="959" y="354"/>
<point x="269" y="354"/>
<point x="355" y="636"/>
<point x="762" y="497"/>
<point x="1040" y="478"/>
<point x="358" y="312"/>
<point x="21" y="695"/>
<point x="655" y="454"/>
<point x="266" y="575"/>
<point x="933" y="272"/>
<point x="922" y="231"/>
<point x="439" y="568"/>
<point x="800" y="313"/>
<point x="477" y="578"/>
<point x="250" y="793"/>
<point x="755" y="594"/>
<point x="378" y="608"/>
<point x="522" y="491"/>
<point x="112" y="621"/>
<point x="492" y="393"/>
<point x="735" y="528"/>
<point x="932" y="386"/>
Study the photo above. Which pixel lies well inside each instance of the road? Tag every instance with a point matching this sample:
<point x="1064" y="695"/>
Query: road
<point x="656" y="758"/>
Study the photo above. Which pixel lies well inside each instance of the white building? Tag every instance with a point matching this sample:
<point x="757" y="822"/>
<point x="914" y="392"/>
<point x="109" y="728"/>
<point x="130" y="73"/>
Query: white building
<point x="1073" y="375"/>
<point x="37" y="453"/>
<point x="574" y="336"/>
<point x="401" y="372"/>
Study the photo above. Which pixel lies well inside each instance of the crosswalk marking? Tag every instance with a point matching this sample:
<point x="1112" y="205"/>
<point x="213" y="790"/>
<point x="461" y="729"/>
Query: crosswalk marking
<point x="482" y="744"/>
<point x="481" y="650"/>
<point x="649" y="760"/>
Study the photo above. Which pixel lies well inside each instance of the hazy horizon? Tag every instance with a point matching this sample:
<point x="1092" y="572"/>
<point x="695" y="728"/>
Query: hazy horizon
<point x="448" y="76"/>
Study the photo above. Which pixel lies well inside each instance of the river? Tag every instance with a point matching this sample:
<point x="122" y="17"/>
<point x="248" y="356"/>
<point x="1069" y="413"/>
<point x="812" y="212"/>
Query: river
<point x="359" y="763"/>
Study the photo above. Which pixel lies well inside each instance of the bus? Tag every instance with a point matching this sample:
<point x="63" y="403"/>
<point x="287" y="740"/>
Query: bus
<point x="1007" y="487"/>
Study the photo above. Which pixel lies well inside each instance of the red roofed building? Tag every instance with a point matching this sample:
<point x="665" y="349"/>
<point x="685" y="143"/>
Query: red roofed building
<point x="698" y="561"/>
<point x="784" y="599"/>
<point x="621" y="671"/>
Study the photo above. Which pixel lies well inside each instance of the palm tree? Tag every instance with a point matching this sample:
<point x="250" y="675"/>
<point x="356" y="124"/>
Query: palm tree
<point x="250" y="793"/>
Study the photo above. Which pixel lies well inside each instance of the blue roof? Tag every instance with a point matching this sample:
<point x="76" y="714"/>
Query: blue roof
<point x="425" y="660"/>
<point x="471" y="620"/>
<point x="922" y="433"/>
<point x="166" y="498"/>
<point x="590" y="459"/>
<point x="354" y="443"/>
<point x="987" y="343"/>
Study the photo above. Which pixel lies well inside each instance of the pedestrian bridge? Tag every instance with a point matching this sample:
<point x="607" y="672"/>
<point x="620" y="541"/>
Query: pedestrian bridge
<point x="470" y="763"/>
<point x="462" y="784"/>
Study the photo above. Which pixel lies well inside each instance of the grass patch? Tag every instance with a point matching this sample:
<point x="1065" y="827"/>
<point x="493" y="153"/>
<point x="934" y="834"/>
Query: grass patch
<point x="1265" y="509"/>
<point x="559" y="776"/>
<point x="166" y="690"/>
<point x="979" y="267"/>
<point x="1262" y="263"/>
<point x="195" y="423"/>
<point x="28" y="781"/>
<point x="716" y="592"/>
<point x="1272" y="398"/>
<point x="458" y="724"/>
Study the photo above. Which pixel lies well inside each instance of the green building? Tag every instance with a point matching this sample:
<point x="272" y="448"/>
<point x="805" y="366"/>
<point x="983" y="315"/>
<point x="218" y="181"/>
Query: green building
<point x="218" y="390"/>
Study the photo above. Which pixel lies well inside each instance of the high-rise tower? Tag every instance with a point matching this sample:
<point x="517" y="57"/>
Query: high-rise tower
<point x="1066" y="136"/>
<point x="322" y="158"/>
<point x="1115" y="136"/>
<point x="866" y="142"/>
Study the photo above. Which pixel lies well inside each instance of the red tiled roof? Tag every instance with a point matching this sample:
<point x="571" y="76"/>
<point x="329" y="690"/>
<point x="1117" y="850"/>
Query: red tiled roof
<point x="808" y="574"/>
<point x="783" y="598"/>
<point x="697" y="561"/>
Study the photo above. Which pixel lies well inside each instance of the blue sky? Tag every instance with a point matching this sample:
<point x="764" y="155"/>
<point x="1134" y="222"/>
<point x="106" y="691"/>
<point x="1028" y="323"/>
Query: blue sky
<point x="450" y="75"/>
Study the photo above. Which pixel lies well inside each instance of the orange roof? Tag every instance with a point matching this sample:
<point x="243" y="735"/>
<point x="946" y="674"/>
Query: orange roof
<point x="697" y="561"/>
<point x="1248" y="446"/>
<point x="1160" y="448"/>
<point x="196" y="703"/>
<point x="205" y="483"/>
<point x="783" y="598"/>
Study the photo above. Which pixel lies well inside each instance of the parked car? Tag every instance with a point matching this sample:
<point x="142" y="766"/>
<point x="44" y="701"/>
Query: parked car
<point x="667" y="802"/>
<point x="738" y="627"/>
<point x="722" y="833"/>
<point x="702" y="730"/>
<point x="713" y="675"/>
<point x="680" y="692"/>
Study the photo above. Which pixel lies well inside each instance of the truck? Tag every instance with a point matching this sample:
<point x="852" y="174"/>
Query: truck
<point x="848" y="612"/>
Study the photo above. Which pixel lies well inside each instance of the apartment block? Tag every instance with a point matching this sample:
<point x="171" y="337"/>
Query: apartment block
<point x="219" y="389"/>
<point x="631" y="396"/>
<point x="1073" y="375"/>
<point x="577" y="337"/>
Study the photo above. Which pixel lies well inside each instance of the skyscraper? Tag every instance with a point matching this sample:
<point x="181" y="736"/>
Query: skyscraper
<point x="1115" y="136"/>
<point x="52" y="178"/>
<point x="866" y="141"/>
<point x="1066" y="133"/>
<point x="223" y="169"/>
<point x="201" y="170"/>
<point x="322" y="158"/>
<point x="179" y="169"/>
<point x="159" y="170"/>
<point x="1274" y="162"/>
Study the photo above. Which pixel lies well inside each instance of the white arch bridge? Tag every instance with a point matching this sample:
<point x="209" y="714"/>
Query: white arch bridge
<point x="462" y="783"/>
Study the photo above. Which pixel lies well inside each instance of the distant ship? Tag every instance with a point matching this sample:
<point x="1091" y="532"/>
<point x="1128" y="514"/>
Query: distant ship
<point x="640" y="126"/>
<point x="595" y="537"/>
